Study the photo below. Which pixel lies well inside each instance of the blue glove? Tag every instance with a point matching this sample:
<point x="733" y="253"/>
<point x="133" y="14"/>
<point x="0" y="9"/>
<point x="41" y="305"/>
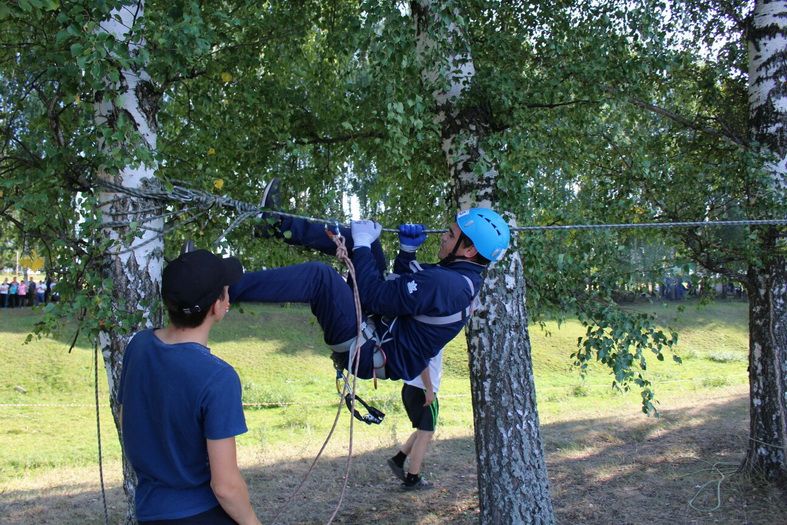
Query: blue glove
<point x="411" y="236"/>
<point x="365" y="233"/>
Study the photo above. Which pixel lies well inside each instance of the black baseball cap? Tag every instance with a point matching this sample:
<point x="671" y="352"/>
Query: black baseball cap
<point x="194" y="281"/>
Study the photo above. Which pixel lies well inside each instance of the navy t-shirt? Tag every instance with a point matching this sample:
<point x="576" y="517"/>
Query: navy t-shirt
<point x="174" y="397"/>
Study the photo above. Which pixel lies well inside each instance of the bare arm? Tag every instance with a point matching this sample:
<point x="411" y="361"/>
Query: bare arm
<point x="227" y="483"/>
<point x="428" y="389"/>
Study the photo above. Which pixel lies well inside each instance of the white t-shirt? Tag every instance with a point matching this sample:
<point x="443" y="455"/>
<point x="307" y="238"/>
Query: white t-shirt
<point x="435" y="373"/>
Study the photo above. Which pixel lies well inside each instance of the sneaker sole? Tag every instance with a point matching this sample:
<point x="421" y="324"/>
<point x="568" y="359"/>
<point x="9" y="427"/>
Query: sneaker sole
<point x="416" y="487"/>
<point x="272" y="187"/>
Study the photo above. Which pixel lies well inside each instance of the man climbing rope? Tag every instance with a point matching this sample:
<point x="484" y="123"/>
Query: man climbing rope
<point x="409" y="316"/>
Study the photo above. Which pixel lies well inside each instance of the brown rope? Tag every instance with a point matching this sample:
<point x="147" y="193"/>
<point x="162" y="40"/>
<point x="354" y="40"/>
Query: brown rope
<point x="342" y="255"/>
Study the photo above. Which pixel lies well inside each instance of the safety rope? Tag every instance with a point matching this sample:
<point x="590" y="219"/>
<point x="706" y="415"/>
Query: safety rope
<point x="723" y="473"/>
<point x="311" y="467"/>
<point x="342" y="255"/>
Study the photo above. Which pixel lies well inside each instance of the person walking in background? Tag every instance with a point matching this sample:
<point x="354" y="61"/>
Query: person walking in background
<point x="12" y="291"/>
<point x="40" y="292"/>
<point x="419" y="397"/>
<point x="31" y="293"/>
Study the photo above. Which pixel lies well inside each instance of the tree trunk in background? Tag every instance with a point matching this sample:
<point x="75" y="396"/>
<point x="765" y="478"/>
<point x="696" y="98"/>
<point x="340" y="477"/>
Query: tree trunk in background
<point x="134" y="266"/>
<point x="767" y="451"/>
<point x="512" y="476"/>
<point x="765" y="456"/>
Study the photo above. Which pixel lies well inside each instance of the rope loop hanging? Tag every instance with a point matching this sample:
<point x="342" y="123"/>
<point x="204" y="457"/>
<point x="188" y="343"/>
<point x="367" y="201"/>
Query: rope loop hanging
<point x="343" y="256"/>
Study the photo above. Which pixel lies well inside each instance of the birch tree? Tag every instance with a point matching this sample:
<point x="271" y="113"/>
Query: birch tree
<point x="512" y="479"/>
<point x="126" y="113"/>
<point x="709" y="142"/>
<point x="767" y="281"/>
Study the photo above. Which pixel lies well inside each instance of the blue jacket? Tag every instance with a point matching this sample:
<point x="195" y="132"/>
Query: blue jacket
<point x="434" y="291"/>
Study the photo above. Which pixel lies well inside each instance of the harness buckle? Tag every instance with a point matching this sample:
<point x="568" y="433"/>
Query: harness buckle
<point x="374" y="415"/>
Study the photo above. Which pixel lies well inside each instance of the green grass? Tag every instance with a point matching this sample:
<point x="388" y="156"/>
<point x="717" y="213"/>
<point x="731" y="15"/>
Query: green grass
<point x="287" y="376"/>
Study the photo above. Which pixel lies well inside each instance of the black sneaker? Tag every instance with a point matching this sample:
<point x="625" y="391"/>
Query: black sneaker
<point x="339" y="360"/>
<point x="271" y="200"/>
<point x="396" y="469"/>
<point x="187" y="247"/>
<point x="419" y="484"/>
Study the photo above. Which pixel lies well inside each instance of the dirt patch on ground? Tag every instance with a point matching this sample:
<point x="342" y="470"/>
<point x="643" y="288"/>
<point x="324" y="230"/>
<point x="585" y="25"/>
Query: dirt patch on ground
<point x="677" y="469"/>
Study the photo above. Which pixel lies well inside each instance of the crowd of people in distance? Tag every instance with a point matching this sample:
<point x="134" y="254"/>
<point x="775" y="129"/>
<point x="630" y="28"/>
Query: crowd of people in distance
<point x="21" y="293"/>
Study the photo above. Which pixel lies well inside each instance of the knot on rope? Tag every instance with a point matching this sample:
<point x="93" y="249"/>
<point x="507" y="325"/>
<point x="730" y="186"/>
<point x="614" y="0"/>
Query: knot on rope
<point x="341" y="250"/>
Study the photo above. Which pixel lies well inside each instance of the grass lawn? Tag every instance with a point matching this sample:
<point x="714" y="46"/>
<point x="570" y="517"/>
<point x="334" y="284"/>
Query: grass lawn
<point x="47" y="394"/>
<point x="49" y="421"/>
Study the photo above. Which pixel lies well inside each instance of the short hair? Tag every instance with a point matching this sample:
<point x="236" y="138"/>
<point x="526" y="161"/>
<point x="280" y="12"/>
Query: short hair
<point x="192" y="320"/>
<point x="478" y="258"/>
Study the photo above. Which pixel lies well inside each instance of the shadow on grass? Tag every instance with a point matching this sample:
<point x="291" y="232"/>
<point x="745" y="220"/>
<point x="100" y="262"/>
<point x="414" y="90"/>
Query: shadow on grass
<point x="616" y="469"/>
<point x="23" y="320"/>
<point x="695" y="313"/>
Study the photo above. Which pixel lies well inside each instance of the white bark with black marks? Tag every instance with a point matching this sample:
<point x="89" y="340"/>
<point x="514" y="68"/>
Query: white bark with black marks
<point x="134" y="267"/>
<point x="767" y="282"/>
<point x="512" y="476"/>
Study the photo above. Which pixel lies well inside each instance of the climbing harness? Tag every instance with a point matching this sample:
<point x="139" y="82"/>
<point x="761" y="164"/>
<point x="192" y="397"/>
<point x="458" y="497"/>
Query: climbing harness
<point x="367" y="332"/>
<point x="373" y="415"/>
<point x="461" y="315"/>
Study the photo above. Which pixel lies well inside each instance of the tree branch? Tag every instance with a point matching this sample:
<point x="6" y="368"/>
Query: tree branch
<point x="696" y="125"/>
<point x="194" y="73"/>
<point x="560" y="104"/>
<point x="334" y="139"/>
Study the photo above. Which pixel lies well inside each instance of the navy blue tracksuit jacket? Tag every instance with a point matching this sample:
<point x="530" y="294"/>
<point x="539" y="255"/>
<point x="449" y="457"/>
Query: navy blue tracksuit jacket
<point x="434" y="291"/>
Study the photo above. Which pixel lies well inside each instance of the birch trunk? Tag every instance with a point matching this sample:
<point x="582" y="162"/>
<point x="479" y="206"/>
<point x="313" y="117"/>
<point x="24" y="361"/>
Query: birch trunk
<point x="512" y="476"/>
<point x="134" y="265"/>
<point x="767" y="451"/>
<point x="765" y="456"/>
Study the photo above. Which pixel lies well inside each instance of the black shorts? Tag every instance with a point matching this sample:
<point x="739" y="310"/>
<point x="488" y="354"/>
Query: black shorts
<point x="422" y="418"/>
<point x="214" y="516"/>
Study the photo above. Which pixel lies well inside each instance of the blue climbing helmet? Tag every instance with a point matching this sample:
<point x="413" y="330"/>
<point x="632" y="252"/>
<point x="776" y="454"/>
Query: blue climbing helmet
<point x="487" y="230"/>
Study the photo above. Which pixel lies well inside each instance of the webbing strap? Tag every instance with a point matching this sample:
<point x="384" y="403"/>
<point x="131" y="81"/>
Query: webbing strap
<point x="368" y="333"/>
<point x="452" y="318"/>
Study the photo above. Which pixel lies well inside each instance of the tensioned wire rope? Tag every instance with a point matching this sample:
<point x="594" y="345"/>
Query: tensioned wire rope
<point x="246" y="210"/>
